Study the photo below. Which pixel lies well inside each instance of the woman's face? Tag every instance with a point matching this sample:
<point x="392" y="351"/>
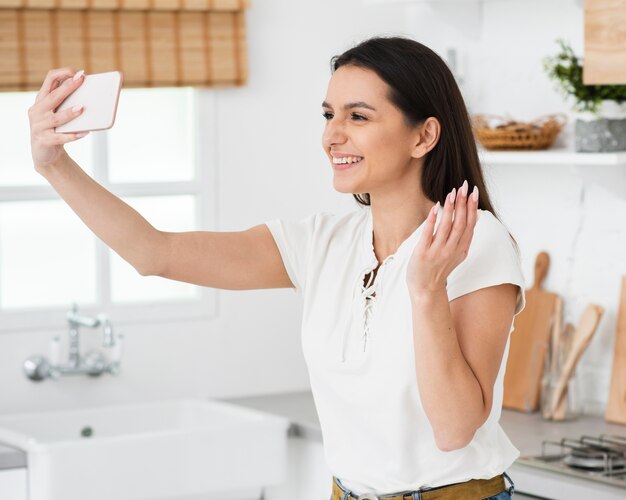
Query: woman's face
<point x="365" y="127"/>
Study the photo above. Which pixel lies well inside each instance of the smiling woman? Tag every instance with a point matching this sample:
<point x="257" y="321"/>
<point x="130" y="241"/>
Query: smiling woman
<point x="409" y="301"/>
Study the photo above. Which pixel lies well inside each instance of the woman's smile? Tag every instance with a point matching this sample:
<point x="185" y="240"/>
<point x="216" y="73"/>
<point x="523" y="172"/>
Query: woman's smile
<point x="342" y="161"/>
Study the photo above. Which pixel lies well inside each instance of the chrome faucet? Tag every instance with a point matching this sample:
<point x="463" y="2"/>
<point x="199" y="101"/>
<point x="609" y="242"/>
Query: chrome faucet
<point x="93" y="363"/>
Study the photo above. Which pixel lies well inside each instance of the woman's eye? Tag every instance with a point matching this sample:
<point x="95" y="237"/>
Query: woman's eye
<point x="355" y="116"/>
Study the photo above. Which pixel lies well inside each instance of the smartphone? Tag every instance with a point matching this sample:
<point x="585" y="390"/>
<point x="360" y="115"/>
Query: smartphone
<point x="98" y="94"/>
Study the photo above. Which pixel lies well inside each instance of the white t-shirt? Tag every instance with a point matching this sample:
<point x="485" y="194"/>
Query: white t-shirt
<point x="359" y="350"/>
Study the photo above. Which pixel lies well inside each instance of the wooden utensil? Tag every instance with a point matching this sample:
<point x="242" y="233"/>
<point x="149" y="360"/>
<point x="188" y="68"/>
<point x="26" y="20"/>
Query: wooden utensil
<point x="557" y="333"/>
<point x="616" y="406"/>
<point x="528" y="343"/>
<point x="582" y="336"/>
<point x="553" y="359"/>
<point x="565" y="348"/>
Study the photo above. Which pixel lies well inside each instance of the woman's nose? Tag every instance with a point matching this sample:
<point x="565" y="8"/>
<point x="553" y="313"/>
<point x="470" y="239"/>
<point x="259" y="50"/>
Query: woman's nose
<point x="334" y="133"/>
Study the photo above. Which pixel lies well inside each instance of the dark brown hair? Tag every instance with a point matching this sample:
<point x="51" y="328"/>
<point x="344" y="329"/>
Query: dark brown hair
<point x="421" y="85"/>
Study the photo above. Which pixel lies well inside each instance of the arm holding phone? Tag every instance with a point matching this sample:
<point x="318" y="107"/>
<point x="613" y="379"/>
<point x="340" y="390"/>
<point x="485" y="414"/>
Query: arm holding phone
<point x="115" y="222"/>
<point x="235" y="260"/>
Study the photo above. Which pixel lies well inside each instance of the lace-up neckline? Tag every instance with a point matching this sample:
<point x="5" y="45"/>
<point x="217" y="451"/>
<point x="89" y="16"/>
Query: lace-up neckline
<point x="368" y="294"/>
<point x="370" y="279"/>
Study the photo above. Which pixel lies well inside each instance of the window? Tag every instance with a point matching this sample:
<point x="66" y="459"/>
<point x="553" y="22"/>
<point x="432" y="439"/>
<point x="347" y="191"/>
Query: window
<point x="49" y="258"/>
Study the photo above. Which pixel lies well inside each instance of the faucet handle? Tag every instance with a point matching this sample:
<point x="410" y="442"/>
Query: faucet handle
<point x="108" y="339"/>
<point x="55" y="351"/>
<point x="117" y="350"/>
<point x="76" y="320"/>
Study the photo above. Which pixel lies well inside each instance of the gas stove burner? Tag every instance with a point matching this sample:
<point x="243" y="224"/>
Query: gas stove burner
<point x="593" y="463"/>
<point x="600" y="458"/>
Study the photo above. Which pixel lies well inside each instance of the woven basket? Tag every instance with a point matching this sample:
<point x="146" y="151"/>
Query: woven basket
<point x="539" y="133"/>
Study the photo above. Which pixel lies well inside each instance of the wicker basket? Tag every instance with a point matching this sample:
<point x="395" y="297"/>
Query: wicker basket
<point x="498" y="133"/>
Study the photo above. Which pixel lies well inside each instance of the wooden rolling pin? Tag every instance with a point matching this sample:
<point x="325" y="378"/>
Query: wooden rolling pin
<point x="582" y="336"/>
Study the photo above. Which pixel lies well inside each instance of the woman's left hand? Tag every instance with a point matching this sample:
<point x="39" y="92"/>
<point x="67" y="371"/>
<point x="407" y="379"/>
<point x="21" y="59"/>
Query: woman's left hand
<point x="436" y="255"/>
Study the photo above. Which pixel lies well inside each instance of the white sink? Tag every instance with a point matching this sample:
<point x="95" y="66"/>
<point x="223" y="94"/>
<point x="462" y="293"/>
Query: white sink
<point x="179" y="449"/>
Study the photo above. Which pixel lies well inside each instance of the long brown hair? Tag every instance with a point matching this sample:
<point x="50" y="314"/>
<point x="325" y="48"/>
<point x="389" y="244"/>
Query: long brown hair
<point x="421" y="85"/>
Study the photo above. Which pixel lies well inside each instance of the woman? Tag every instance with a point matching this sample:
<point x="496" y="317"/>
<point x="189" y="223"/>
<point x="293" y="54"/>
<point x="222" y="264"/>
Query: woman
<point x="408" y="307"/>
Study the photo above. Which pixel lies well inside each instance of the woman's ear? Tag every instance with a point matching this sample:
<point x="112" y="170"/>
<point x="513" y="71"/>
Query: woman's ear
<point x="427" y="137"/>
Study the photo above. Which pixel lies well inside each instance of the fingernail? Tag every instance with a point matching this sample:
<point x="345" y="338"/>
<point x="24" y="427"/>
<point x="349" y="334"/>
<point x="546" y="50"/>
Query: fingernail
<point x="436" y="208"/>
<point x="453" y="195"/>
<point x="78" y="75"/>
<point x="464" y="188"/>
<point x="81" y="134"/>
<point x="475" y="193"/>
<point x="77" y="108"/>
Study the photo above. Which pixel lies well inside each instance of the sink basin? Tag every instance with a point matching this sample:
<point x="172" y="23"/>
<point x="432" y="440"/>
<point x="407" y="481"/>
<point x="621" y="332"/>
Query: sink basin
<point x="177" y="449"/>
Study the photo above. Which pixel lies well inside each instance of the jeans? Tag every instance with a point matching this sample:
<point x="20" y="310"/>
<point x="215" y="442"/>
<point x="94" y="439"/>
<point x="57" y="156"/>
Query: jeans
<point x="506" y="494"/>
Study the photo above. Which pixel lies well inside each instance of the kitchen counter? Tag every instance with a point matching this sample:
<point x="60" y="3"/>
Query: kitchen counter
<point x="10" y="458"/>
<point x="526" y="432"/>
<point x="299" y="407"/>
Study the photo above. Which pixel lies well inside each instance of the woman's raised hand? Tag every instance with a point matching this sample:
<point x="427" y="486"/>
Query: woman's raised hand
<point x="436" y="255"/>
<point x="46" y="144"/>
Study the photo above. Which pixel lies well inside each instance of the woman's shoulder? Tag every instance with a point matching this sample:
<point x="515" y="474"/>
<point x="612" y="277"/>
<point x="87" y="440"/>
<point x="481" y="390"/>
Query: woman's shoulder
<point x="488" y="220"/>
<point x="492" y="240"/>
<point x="490" y="228"/>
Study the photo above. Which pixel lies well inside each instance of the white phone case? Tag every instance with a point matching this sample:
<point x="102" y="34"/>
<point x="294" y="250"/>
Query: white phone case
<point x="98" y="94"/>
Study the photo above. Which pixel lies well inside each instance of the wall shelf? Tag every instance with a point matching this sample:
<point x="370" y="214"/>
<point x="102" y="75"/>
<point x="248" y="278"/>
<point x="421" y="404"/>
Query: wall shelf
<point x="555" y="156"/>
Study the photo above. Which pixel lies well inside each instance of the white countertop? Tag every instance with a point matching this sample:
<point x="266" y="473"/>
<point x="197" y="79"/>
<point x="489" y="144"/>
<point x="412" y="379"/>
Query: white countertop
<point x="526" y="431"/>
<point x="10" y="458"/>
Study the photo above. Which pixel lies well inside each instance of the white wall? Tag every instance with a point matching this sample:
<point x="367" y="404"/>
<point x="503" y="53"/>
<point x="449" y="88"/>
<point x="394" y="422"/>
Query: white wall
<point x="270" y="164"/>
<point x="571" y="212"/>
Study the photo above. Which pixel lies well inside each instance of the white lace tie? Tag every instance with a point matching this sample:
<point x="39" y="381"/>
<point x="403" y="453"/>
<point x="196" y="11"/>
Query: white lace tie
<point x="368" y="294"/>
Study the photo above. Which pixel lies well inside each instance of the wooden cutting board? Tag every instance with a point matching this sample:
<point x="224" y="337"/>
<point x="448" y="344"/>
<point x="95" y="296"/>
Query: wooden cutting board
<point x="528" y="343"/>
<point x="616" y="406"/>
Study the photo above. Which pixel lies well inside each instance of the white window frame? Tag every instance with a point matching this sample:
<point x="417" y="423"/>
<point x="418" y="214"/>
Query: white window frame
<point x="203" y="187"/>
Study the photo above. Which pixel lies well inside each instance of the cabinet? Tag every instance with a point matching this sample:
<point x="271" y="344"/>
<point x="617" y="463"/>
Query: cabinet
<point x="308" y="476"/>
<point x="605" y="42"/>
<point x="13" y="484"/>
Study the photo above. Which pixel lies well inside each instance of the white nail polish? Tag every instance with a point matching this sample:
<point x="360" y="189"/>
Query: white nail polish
<point x="475" y="193"/>
<point x="464" y="188"/>
<point x="78" y="74"/>
<point x="453" y="195"/>
<point x="77" y="108"/>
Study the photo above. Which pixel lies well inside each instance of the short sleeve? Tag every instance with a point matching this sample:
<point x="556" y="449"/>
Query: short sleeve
<point x="492" y="259"/>
<point x="294" y="239"/>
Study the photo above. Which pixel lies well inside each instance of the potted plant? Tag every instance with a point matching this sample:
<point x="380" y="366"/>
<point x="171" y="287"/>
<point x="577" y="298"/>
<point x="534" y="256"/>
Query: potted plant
<point x="600" y="109"/>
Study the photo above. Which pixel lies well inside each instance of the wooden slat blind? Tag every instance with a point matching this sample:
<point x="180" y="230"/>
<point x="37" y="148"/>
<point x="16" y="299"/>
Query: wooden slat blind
<point x="153" y="42"/>
<point x="194" y="5"/>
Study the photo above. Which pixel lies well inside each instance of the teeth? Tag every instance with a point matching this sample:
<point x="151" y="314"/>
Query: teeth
<point x="347" y="159"/>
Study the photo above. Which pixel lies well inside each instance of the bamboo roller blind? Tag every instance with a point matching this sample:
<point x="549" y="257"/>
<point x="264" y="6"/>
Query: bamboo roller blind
<point x="154" y="43"/>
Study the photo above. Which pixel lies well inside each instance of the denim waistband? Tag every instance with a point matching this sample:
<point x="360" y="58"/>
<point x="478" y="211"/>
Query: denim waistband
<point x="414" y="495"/>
